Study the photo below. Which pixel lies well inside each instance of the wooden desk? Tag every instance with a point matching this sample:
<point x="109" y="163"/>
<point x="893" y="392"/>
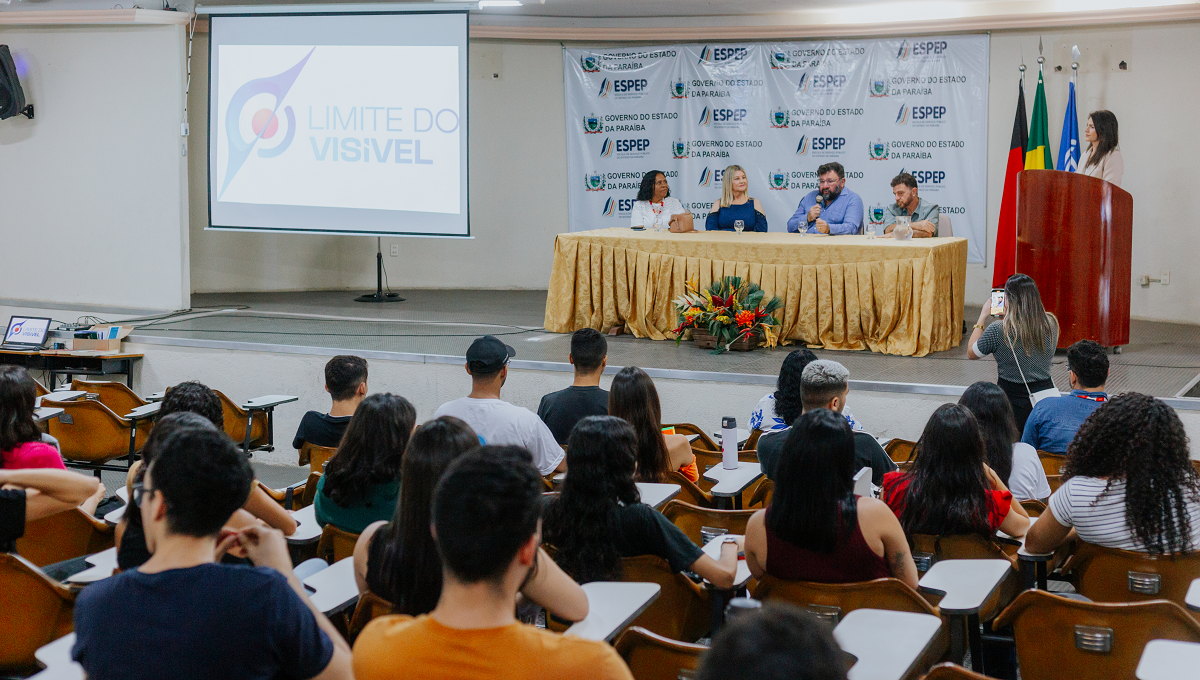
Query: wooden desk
<point x="265" y="403"/>
<point x="886" y="643"/>
<point x="731" y="483"/>
<point x="1168" y="660"/>
<point x="966" y="584"/>
<point x="307" y="531"/>
<point x="655" y="495"/>
<point x="70" y="364"/>
<point x="612" y="605"/>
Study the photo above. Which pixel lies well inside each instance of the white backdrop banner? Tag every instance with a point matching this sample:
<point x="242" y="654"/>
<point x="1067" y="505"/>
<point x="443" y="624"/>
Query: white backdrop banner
<point x="780" y="110"/>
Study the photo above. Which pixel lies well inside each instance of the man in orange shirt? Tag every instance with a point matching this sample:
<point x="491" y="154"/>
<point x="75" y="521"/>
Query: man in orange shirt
<point x="487" y="523"/>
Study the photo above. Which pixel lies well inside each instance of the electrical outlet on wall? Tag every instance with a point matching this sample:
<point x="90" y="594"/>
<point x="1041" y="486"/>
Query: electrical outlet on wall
<point x="395" y="250"/>
<point x="1165" y="277"/>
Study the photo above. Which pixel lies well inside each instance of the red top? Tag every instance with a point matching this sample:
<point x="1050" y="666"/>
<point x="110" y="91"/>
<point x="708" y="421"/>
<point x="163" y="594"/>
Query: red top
<point x="33" y="455"/>
<point x="895" y="491"/>
<point x="851" y="561"/>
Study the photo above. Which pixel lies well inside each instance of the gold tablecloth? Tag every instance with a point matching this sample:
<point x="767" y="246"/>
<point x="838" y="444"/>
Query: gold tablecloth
<point x="839" y="292"/>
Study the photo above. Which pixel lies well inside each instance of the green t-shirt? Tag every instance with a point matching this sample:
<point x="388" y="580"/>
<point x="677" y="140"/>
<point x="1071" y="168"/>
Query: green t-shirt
<point x="379" y="504"/>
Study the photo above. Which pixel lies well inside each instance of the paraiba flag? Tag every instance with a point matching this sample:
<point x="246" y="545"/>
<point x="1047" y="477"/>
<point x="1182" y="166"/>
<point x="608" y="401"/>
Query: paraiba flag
<point x="1068" y="145"/>
<point x="1037" y="154"/>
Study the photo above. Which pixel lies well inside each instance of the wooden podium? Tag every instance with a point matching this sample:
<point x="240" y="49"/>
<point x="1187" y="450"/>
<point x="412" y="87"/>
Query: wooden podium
<point x="1074" y="237"/>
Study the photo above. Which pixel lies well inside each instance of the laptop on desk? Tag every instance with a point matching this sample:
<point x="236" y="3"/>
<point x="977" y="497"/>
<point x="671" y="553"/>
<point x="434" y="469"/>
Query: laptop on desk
<point x="26" y="333"/>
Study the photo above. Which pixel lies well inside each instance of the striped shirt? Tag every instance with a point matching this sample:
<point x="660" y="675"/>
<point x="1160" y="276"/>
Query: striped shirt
<point x="1036" y="365"/>
<point x="1099" y="517"/>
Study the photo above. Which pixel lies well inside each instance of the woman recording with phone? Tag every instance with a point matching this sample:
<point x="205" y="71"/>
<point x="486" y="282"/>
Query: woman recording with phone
<point x="1022" y="341"/>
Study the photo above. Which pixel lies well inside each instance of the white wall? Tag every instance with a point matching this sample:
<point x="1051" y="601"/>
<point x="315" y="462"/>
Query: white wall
<point x="518" y="161"/>
<point x="94" y="192"/>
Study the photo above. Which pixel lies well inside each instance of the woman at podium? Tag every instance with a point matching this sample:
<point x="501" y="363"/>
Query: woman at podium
<point x="1102" y="157"/>
<point x="736" y="211"/>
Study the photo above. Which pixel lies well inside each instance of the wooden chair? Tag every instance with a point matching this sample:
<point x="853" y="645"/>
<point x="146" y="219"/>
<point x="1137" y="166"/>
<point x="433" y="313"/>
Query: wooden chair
<point x="369" y="607"/>
<point x="654" y="657"/>
<point x="1034" y="507"/>
<point x="762" y="494"/>
<point x="35" y="610"/>
<point x="1111" y="575"/>
<point x="1052" y="464"/>
<point x="90" y="435"/>
<point x="696" y="521"/>
<point x="64" y="536"/>
<point x="752" y="440"/>
<point x="335" y="545"/>
<point x="1089" y="639"/>
<point x="312" y="455"/>
<point x="691" y="492"/>
<point x="289" y="497"/>
<point x="952" y="671"/>
<point x="900" y="450"/>
<point x="42" y="390"/>
<point x="310" y="489"/>
<point x="927" y="550"/>
<point x="702" y="442"/>
<point x="115" y="395"/>
<point x="236" y="419"/>
<point x="683" y="610"/>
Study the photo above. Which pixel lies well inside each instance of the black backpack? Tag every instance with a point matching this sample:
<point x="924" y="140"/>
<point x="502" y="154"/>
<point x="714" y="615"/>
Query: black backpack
<point x="12" y="97"/>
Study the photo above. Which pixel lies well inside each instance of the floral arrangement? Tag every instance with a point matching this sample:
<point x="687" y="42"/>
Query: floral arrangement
<point x="730" y="310"/>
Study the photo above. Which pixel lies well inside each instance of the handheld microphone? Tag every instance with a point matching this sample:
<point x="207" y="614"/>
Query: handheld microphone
<point x="820" y="199"/>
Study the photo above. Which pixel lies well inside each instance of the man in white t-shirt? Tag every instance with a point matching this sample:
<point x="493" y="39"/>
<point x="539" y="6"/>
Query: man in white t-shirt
<point x="496" y="421"/>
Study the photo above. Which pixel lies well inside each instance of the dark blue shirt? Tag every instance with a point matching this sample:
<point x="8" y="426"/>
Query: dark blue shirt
<point x="207" y="621"/>
<point x="723" y="218"/>
<point x="1054" y="421"/>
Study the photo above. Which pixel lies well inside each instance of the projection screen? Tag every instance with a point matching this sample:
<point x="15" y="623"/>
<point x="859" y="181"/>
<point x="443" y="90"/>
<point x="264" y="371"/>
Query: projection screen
<point x="338" y="123"/>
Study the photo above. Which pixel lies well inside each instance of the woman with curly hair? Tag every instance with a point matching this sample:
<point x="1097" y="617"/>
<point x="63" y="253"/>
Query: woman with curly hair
<point x="1128" y="483"/>
<point x="599" y="517"/>
<point x="779" y="409"/>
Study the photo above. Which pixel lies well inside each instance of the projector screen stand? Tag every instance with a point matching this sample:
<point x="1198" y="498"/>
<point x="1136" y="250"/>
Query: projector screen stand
<point x="379" y="295"/>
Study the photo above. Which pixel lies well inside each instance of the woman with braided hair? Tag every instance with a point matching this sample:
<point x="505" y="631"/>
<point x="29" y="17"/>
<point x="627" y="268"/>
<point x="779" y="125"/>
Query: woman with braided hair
<point x="1128" y="483"/>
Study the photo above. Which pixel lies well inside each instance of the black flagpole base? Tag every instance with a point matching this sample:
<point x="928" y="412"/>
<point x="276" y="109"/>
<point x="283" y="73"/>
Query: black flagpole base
<point x="379" y="297"/>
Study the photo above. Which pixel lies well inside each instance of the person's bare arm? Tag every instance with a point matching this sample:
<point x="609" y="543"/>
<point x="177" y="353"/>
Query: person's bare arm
<point x="553" y="589"/>
<point x="923" y="229"/>
<point x="268" y="510"/>
<point x="362" y="549"/>
<point x="266" y="547"/>
<point x="878" y="517"/>
<point x="756" y="544"/>
<point x="48" y="492"/>
<point x="977" y="333"/>
<point x="722" y="572"/>
<point x="1047" y="535"/>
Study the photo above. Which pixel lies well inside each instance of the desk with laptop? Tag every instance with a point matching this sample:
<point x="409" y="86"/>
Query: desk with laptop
<point x="23" y="345"/>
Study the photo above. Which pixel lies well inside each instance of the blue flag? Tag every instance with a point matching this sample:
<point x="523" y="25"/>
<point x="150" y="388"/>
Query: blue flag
<point x="1068" y="144"/>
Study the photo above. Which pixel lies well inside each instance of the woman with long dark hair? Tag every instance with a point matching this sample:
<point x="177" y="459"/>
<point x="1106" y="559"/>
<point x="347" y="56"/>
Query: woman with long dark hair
<point x="1102" y="157"/>
<point x="656" y="208"/>
<point x="20" y="439"/>
<point x="398" y="560"/>
<point x="1023" y="343"/>
<point x="598" y="518"/>
<point x="362" y="479"/>
<point x="950" y="489"/>
<point x="1014" y="462"/>
<point x="633" y="398"/>
<point x="816" y="528"/>
<point x="1128" y="483"/>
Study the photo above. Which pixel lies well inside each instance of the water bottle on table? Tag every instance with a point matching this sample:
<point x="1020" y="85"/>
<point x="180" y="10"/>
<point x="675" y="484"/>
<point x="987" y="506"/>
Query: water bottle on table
<point x="729" y="443"/>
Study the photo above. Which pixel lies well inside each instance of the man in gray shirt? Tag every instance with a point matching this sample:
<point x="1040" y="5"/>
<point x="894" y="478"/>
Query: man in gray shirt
<point x="924" y="214"/>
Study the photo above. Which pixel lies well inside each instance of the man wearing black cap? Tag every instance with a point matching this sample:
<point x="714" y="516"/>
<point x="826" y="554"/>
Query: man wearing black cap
<point x="495" y="420"/>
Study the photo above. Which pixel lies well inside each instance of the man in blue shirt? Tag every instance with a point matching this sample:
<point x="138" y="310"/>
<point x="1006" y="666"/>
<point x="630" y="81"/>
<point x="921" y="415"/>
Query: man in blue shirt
<point x="1053" y="423"/>
<point x="841" y="210"/>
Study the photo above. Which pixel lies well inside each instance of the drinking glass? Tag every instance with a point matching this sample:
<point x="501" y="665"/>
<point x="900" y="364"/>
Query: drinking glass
<point x="739" y="225"/>
<point x="870" y="231"/>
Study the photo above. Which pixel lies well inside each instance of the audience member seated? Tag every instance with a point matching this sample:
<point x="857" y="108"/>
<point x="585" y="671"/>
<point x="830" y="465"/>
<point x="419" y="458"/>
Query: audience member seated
<point x="362" y="480"/>
<point x="487" y="515"/>
<point x="196" y="399"/>
<point x="1128" y="483"/>
<point x="346" y="383"/>
<point x="29" y="494"/>
<point x="598" y="518"/>
<point x="398" y="560"/>
<point x="780" y="641"/>
<point x="826" y="384"/>
<point x="950" y="490"/>
<point x="562" y="409"/>
<point x="778" y="410"/>
<point x="1015" y="463"/>
<point x="180" y="615"/>
<point x="20" y="439"/>
<point x="816" y="528"/>
<point x="498" y="422"/>
<point x="1054" y="421"/>
<point x="634" y="399"/>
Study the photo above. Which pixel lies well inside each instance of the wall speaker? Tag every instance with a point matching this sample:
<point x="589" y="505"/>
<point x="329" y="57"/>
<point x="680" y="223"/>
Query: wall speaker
<point x="12" y="97"/>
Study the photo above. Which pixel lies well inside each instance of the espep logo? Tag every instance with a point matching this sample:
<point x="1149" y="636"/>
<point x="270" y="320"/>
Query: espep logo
<point x="902" y="115"/>
<point x="605" y="88"/>
<point x="265" y="122"/>
<point x="802" y="147"/>
<point x="922" y="50"/>
<point x="709" y="177"/>
<point x="705" y="118"/>
<point x="620" y="207"/>
<point x="606" y="149"/>
<point x="902" y="53"/>
<point x="710" y="55"/>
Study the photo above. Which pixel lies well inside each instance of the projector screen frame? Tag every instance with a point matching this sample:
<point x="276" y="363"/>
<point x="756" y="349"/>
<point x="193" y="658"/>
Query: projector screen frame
<point x="263" y="11"/>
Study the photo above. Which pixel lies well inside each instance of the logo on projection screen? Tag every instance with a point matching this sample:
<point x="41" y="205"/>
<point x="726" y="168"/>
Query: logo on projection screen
<point x="265" y="122"/>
